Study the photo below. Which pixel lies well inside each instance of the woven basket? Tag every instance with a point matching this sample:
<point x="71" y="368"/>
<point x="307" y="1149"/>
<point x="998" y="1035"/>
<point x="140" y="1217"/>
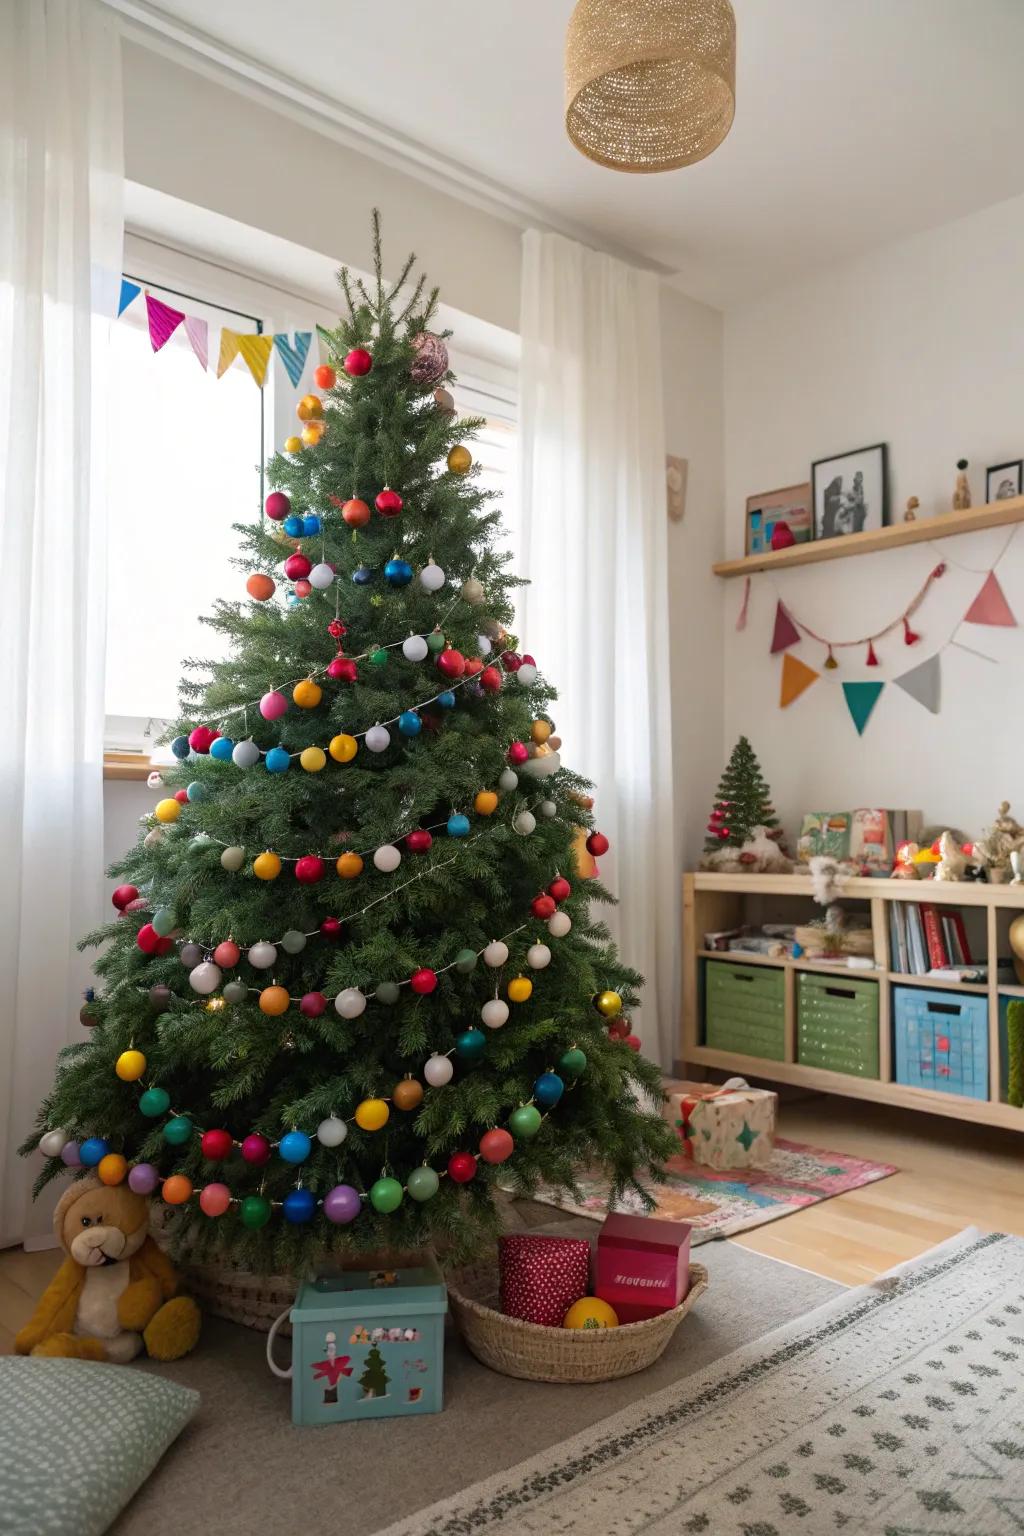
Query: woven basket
<point x="527" y="1350"/>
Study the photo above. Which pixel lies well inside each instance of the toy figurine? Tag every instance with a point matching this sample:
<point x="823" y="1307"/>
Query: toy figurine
<point x="910" y="515"/>
<point x="962" y="493"/>
<point x="904" y="867"/>
<point x="951" y="863"/>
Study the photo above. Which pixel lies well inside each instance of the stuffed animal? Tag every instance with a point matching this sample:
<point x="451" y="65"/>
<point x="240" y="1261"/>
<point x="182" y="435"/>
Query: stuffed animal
<point x="116" y="1292"/>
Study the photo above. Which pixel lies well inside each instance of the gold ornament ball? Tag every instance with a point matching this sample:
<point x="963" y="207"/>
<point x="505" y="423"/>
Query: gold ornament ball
<point x="349" y="866"/>
<point x="1017" y="945"/>
<point x="293" y="444"/>
<point x="460" y="460"/>
<point x="408" y="1094"/>
<point x="130" y="1066"/>
<point x="310" y="408"/>
<point x="112" y="1169"/>
<point x="343" y="748"/>
<point x="590" y="1312"/>
<point x="167" y="810"/>
<point x="540" y="730"/>
<point x="372" y="1114"/>
<point x="307" y="694"/>
<point x="486" y="803"/>
<point x="608" y="1003"/>
<point x="266" y="866"/>
<point x="313" y="759"/>
<point x="312" y="432"/>
<point x="519" y="989"/>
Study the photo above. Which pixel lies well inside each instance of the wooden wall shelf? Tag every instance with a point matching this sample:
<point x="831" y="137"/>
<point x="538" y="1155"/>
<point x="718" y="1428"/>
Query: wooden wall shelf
<point x="997" y="514"/>
<point x="126" y="766"/>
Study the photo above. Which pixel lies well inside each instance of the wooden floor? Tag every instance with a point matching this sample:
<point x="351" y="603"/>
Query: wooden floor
<point x="952" y="1176"/>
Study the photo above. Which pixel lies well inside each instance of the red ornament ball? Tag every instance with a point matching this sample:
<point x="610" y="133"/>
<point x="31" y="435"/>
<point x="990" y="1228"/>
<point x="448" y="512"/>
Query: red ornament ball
<point x="419" y="840"/>
<point x="256" y="1149"/>
<point x="559" y="888"/>
<point x="620" y="1028"/>
<point x="490" y="680"/>
<point x="324" y="377"/>
<point x="517" y="752"/>
<point x="543" y="907"/>
<point x="528" y="660"/>
<point x="496" y="1146"/>
<point x="461" y="1167"/>
<point x="336" y="629"/>
<point x="277" y="506"/>
<point x="597" y="844"/>
<point x="202" y="738"/>
<point x="511" y="661"/>
<point x="181" y="795"/>
<point x="296" y="566"/>
<point x="227" y="954"/>
<point x="147" y="939"/>
<point x="123" y="895"/>
<point x="423" y="981"/>
<point x="473" y="666"/>
<point x="388" y="502"/>
<point x="312" y="1005"/>
<point x="356" y="513"/>
<point x="309" y="870"/>
<point x="723" y="833"/>
<point x="358" y="362"/>
<point x="633" y="1041"/>
<point x="260" y="587"/>
<point x="331" y="928"/>
<point x="343" y="669"/>
<point x="452" y="663"/>
<point x="216" y="1145"/>
<point x="303" y="587"/>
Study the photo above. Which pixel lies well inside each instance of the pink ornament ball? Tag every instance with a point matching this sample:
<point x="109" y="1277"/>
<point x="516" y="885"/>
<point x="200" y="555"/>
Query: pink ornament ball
<point x="70" y="1155"/>
<point x="358" y="362"/>
<point x="303" y="588"/>
<point x="423" y="981"/>
<point x="277" y="506"/>
<point x="517" y="752"/>
<point x="343" y="669"/>
<point x="214" y="1199"/>
<point x="309" y="869"/>
<point x="273" y="705"/>
<point x="297" y="566"/>
<point x="123" y="895"/>
<point x="496" y="1146"/>
<point x="227" y="954"/>
<point x="202" y="738"/>
<point x="313" y="1005"/>
<point x="431" y="361"/>
<point x="331" y="928"/>
<point x="181" y="795"/>
<point x="256" y="1149"/>
<point x="139" y="904"/>
<point x="143" y="1179"/>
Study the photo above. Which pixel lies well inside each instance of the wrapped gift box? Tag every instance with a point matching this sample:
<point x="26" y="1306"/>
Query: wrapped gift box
<point x="643" y="1266"/>
<point x="541" y="1277"/>
<point x="728" y="1127"/>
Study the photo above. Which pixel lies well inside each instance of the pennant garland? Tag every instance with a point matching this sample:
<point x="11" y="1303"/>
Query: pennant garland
<point x="924" y="683"/>
<point x="129" y="292"/>
<point x="786" y="632"/>
<point x="255" y="352"/>
<point x="741" y="617"/>
<point x="293" y="357"/>
<point x="228" y="351"/>
<point x="861" y="699"/>
<point x="797" y="677"/>
<point x="197" y="332"/>
<point x="163" y="321"/>
<point x="990" y="605"/>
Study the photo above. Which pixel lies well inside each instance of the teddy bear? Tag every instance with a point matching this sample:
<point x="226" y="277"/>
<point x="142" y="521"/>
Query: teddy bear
<point x="115" y="1293"/>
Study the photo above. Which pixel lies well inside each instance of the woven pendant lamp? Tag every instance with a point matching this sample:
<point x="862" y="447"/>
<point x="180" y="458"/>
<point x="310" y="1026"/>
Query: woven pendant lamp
<point x="650" y="85"/>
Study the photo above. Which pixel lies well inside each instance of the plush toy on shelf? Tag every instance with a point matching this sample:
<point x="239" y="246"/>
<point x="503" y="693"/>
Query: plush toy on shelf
<point x="952" y="863"/>
<point x="903" y="867"/>
<point x="115" y="1295"/>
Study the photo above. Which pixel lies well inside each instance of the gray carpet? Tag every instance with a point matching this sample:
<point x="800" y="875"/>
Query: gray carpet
<point x="241" y="1467"/>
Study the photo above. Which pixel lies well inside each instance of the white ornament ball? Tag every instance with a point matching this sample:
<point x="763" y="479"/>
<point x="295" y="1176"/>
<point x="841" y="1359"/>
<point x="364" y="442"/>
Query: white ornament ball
<point x="526" y="675"/>
<point x="548" y="808"/>
<point x="559" y="924"/>
<point x="472" y="592"/>
<point x="415" y="648"/>
<point x="331" y="1132"/>
<point x="508" y="780"/>
<point x="350" y="1003"/>
<point x="538" y="956"/>
<point x="432" y="577"/>
<point x="154" y="837"/>
<point x="494" y="1013"/>
<point x="496" y="953"/>
<point x="377" y="739"/>
<point x="438" y="1071"/>
<point x="232" y="858"/>
<point x="483" y="645"/>
<point x="245" y="754"/>
<point x="321" y="576"/>
<point x="262" y="955"/>
<point x="51" y="1143"/>
<point x="387" y="859"/>
<point x="206" y="978"/>
<point x="525" y="823"/>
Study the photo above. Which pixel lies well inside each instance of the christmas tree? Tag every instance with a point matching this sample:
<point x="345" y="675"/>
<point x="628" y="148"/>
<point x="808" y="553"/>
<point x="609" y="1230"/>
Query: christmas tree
<point x="354" y="980"/>
<point x="374" y="1380"/>
<point x="742" y="803"/>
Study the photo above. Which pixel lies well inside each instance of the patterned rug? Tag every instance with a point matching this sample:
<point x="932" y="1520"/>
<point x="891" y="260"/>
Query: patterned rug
<point x="895" y="1410"/>
<point x="719" y="1204"/>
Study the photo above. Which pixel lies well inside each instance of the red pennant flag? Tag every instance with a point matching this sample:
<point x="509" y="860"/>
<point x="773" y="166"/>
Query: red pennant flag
<point x="163" y="322"/>
<point x="786" y="632"/>
<point x="990" y="606"/>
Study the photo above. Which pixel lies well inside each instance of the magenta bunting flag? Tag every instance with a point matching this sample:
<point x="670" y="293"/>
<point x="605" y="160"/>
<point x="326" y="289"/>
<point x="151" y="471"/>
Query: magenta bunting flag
<point x="786" y="632"/>
<point x="198" y="334"/>
<point x="163" y="321"/>
<point x="990" y="606"/>
<point x="741" y="617"/>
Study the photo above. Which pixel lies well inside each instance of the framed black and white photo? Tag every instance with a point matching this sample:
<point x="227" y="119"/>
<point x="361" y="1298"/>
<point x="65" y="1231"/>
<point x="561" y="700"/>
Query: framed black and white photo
<point x="851" y="492"/>
<point x="1004" y="480"/>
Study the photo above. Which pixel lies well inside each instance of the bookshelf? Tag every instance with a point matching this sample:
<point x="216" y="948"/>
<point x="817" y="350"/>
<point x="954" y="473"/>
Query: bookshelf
<point x="714" y="901"/>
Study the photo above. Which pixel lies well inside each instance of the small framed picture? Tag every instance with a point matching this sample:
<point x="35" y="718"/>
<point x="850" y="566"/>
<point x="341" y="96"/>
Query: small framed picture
<point x="790" y="505"/>
<point x="1004" y="480"/>
<point x="851" y="492"/>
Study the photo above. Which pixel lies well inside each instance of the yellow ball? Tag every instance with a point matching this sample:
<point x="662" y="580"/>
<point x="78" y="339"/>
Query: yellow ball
<point x="112" y="1169"/>
<point x="310" y="408"/>
<point x="349" y="866"/>
<point x="266" y="866"/>
<point x="313" y="759"/>
<point x="519" y="989"/>
<point x="343" y="748"/>
<point x="130" y="1066"/>
<point x="540" y="730"/>
<point x="608" y="1003"/>
<point x="274" y="1000"/>
<point x="307" y="694"/>
<point x="486" y="803"/>
<point x="312" y="432"/>
<point x="590" y="1312"/>
<point x="460" y="460"/>
<point x="293" y="445"/>
<point x="167" y="810"/>
<point x="372" y="1114"/>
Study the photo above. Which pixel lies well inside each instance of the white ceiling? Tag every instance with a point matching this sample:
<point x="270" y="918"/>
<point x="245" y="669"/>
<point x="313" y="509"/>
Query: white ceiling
<point x="857" y="121"/>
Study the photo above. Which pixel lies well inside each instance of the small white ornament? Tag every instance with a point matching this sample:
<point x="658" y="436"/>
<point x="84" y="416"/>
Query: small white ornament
<point x="483" y="645"/>
<point x="432" y="577"/>
<point x="415" y="648"/>
<point x="438" y="1071"/>
<point x="472" y="592"/>
<point x="206" y="978"/>
<point x="377" y="739"/>
<point x="548" y="808"/>
<point x="559" y="924"/>
<point x="245" y="754"/>
<point x="154" y="837"/>
<point x="51" y="1143"/>
<point x="321" y="576"/>
<point x="526" y="675"/>
<point x="154" y="781"/>
<point x="350" y="1003"/>
<point x="331" y="1132"/>
<point x="508" y="780"/>
<point x="538" y="956"/>
<point x="262" y="955"/>
<point x="494" y="1013"/>
<point x="232" y="858"/>
<point x="496" y="953"/>
<point x="387" y="859"/>
<point x="525" y="823"/>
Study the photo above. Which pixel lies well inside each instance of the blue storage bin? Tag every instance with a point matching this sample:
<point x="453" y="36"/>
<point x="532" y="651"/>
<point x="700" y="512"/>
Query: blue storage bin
<point x="941" y="1041"/>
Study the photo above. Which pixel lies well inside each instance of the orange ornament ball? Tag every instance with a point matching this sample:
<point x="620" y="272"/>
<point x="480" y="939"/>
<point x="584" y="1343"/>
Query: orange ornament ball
<point x="260" y="587"/>
<point x="356" y="513"/>
<point x="274" y="1000"/>
<point x="349" y="866"/>
<point x="177" y="1189"/>
<point x="112" y="1169"/>
<point x="312" y="432"/>
<point x="324" y="377"/>
<point x="310" y="408"/>
<point x="407" y="1094"/>
<point x="486" y="803"/>
<point x="307" y="694"/>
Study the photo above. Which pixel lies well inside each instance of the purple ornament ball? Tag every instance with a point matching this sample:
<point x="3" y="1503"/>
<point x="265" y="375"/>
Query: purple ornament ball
<point x="431" y="360"/>
<point x="342" y="1204"/>
<point x="69" y="1155"/>
<point x="143" y="1179"/>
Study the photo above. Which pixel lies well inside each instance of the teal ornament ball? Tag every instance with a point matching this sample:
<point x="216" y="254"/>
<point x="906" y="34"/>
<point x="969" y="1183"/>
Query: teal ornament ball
<point x="445" y="700"/>
<point x="409" y="723"/>
<point x="387" y="993"/>
<point x="386" y="1196"/>
<point x="548" y="1089"/>
<point x="178" y="1131"/>
<point x="465" y="961"/>
<point x="155" y="1102"/>
<point x="458" y="825"/>
<point x="422" y="1184"/>
<point x="525" y="1122"/>
<point x="163" y="921"/>
<point x="197" y="792"/>
<point x="470" y="1045"/>
<point x="573" y="1063"/>
<point x="254" y="1211"/>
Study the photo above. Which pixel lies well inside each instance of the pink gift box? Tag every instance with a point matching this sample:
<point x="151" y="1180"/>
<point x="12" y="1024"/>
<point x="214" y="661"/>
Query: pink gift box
<point x="643" y="1266"/>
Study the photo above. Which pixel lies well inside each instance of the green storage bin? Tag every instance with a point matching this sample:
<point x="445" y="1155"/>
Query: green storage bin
<point x="837" y="1024"/>
<point x="744" y="1009"/>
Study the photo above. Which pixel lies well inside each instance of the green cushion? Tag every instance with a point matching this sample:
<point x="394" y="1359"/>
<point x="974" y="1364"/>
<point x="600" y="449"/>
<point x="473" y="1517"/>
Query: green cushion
<point x="77" y="1439"/>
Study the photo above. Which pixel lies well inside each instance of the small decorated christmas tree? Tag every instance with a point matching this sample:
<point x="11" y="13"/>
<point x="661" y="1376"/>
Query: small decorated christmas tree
<point x="742" y="803"/>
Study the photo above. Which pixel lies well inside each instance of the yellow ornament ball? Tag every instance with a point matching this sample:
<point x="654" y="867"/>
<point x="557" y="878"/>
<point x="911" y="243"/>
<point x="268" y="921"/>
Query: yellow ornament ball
<point x="460" y="460"/>
<point x="112" y="1169"/>
<point x="519" y="989"/>
<point x="293" y="445"/>
<point x="486" y="803"/>
<point x="608" y="1003"/>
<point x="310" y="408"/>
<point x="590" y="1312"/>
<point x="343" y="748"/>
<point x="312" y="432"/>
<point x="349" y="866"/>
<point x="130" y="1066"/>
<point x="167" y="810"/>
<point x="266" y="866"/>
<point x="274" y="1000"/>
<point x="540" y="730"/>
<point x="313" y="759"/>
<point x="372" y="1114"/>
<point x="307" y="694"/>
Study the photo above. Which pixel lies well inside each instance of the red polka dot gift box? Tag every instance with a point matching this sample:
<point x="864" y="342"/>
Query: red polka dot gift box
<point x="541" y="1277"/>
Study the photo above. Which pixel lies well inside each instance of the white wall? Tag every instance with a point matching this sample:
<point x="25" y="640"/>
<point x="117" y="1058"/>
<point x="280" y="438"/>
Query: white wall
<point x="920" y="345"/>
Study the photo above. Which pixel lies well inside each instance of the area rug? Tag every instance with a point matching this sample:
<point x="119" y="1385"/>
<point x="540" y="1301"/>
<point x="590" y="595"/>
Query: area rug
<point x="895" y="1410"/>
<point x="721" y="1204"/>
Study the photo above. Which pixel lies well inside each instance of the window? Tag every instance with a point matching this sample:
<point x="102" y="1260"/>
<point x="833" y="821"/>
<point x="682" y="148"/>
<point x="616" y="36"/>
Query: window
<point x="495" y="445"/>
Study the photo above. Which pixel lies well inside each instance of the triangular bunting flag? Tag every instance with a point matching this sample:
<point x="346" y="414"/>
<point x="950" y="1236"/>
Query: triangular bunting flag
<point x="129" y="292"/>
<point x="228" y="351"/>
<point x="741" y="617"/>
<point x="786" y="632"/>
<point x="861" y="699"/>
<point x="197" y="332"/>
<point x="255" y="351"/>
<point x="163" y="321"/>
<point x="796" y="679"/>
<point x="924" y="683"/>
<point x="293" y="357"/>
<point x="990" y="606"/>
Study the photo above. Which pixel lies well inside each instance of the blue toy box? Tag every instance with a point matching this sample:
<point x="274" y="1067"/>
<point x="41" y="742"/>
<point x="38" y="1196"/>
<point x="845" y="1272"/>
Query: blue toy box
<point x="366" y="1344"/>
<point x="942" y="1041"/>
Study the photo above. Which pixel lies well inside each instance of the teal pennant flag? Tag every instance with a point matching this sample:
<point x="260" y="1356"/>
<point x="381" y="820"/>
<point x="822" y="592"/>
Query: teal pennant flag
<point x="861" y="699"/>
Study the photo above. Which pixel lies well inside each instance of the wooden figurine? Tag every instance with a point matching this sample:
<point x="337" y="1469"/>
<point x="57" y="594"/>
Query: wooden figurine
<point x="962" y="494"/>
<point x="910" y="515"/>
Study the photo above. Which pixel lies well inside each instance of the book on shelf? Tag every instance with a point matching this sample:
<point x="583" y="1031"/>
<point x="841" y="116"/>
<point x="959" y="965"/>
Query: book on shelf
<point x="938" y="956"/>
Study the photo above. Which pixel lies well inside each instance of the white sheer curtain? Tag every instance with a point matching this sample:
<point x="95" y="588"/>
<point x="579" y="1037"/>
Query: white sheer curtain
<point x="592" y="489"/>
<point x="61" y="223"/>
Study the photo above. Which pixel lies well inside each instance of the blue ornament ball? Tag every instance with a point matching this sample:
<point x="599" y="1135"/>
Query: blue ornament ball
<point x="470" y="1045"/>
<point x="310" y="525"/>
<point x="180" y="747"/>
<point x="197" y="792"/>
<point x="93" y="1151"/>
<point x="222" y="749"/>
<point x="398" y="573"/>
<point x="362" y="575"/>
<point x="299" y="1206"/>
<point x="277" y="760"/>
<point x="458" y="825"/>
<point x="293" y="526"/>
<point x="295" y="1147"/>
<point x="409" y="723"/>
<point x="548" y="1089"/>
<point x="446" y="700"/>
<point x="293" y="599"/>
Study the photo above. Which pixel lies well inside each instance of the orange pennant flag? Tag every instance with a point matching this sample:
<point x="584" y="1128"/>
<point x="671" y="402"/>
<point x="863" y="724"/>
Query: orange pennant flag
<point x="228" y="351"/>
<point x="255" y="351"/>
<point x="797" y="677"/>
